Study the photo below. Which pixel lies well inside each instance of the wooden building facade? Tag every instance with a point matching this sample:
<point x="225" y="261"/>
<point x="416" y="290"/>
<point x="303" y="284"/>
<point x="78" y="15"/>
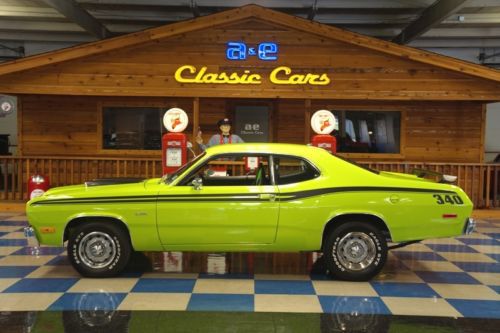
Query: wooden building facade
<point x="427" y="107"/>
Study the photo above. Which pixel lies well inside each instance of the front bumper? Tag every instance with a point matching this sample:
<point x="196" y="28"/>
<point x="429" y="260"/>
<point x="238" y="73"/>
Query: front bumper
<point x="30" y="235"/>
<point x="469" y="227"/>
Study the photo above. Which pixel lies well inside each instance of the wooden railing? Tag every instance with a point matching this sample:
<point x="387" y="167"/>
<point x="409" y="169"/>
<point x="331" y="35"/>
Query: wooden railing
<point x="480" y="181"/>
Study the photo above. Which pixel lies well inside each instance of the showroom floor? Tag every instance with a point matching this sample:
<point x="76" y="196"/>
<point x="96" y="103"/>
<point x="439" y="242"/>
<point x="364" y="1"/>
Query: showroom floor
<point x="440" y="278"/>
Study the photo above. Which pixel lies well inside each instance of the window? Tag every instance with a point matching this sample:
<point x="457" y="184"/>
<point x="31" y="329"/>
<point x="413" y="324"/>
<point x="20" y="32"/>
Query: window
<point x="289" y="170"/>
<point x="132" y="128"/>
<point x="368" y="131"/>
<point x="233" y="170"/>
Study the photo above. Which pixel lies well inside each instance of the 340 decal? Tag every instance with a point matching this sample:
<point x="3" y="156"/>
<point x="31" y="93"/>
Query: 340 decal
<point x="451" y="199"/>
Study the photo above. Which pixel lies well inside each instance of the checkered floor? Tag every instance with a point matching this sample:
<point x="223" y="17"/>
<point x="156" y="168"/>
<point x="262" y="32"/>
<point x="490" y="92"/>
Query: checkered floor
<point x="446" y="277"/>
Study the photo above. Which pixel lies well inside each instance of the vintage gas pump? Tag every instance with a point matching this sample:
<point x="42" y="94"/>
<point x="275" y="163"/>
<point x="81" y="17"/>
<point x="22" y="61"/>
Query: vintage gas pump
<point x="323" y="123"/>
<point x="174" y="144"/>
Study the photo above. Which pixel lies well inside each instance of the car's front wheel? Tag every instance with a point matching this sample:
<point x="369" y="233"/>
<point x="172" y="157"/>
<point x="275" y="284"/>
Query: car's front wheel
<point x="355" y="251"/>
<point x="98" y="249"/>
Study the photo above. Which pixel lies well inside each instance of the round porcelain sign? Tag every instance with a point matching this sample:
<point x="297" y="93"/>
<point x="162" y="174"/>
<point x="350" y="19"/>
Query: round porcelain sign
<point x="175" y="120"/>
<point x="323" y="122"/>
<point x="6" y="107"/>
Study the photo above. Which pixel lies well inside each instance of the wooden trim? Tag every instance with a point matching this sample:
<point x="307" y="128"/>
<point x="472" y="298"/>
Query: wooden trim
<point x="240" y="14"/>
<point x="19" y="150"/>
<point x="402" y="133"/>
<point x="307" y="121"/>
<point x="100" y="142"/>
<point x="371" y="156"/>
<point x="482" y="133"/>
<point x="196" y="120"/>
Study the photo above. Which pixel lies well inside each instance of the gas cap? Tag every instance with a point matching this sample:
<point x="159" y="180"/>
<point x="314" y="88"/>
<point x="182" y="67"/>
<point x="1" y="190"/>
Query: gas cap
<point x="394" y="199"/>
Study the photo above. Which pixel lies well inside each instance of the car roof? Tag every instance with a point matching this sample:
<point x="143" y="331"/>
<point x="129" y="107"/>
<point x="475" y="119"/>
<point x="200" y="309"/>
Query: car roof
<point x="273" y="148"/>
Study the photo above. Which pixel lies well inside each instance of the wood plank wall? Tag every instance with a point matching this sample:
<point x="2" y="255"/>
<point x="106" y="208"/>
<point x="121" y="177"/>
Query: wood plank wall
<point x="148" y="69"/>
<point x="70" y="126"/>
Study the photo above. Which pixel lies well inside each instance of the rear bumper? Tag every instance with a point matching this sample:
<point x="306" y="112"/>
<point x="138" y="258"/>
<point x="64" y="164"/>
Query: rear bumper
<point x="469" y="227"/>
<point x="30" y="235"/>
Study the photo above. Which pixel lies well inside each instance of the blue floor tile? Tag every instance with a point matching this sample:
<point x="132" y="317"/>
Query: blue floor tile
<point x="480" y="241"/>
<point x="58" y="261"/>
<point x="407" y="255"/>
<point x="16" y="271"/>
<point x="353" y="304"/>
<point x="42" y="285"/>
<point x="495" y="256"/>
<point x="13" y="223"/>
<point x="483" y="267"/>
<point x="495" y="288"/>
<point x="447" y="277"/>
<point x="284" y="287"/>
<point x="225" y="276"/>
<point x="164" y="286"/>
<point x="13" y="242"/>
<point x="43" y="250"/>
<point x="88" y="302"/>
<point x="495" y="235"/>
<point x="476" y="308"/>
<point x="394" y="289"/>
<point x="451" y="248"/>
<point x="221" y="302"/>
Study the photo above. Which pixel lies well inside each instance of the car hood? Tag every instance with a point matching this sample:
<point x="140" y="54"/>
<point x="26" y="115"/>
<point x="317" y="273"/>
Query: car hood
<point x="96" y="190"/>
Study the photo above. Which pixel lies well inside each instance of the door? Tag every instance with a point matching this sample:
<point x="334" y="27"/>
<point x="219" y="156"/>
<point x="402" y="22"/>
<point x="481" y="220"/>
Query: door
<point x="234" y="205"/>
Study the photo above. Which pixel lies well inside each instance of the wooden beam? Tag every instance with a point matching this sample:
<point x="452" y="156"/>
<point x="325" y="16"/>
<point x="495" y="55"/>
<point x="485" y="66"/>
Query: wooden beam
<point x="196" y="121"/>
<point x="307" y="121"/>
<point x="75" y="13"/>
<point x="239" y="14"/>
<point x="429" y="18"/>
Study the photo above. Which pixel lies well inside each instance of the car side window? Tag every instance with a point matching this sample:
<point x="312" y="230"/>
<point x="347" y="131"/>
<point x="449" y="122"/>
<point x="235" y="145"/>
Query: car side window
<point x="234" y="170"/>
<point x="289" y="170"/>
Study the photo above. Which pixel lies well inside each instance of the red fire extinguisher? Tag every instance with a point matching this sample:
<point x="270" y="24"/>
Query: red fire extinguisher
<point x="38" y="185"/>
<point x="174" y="144"/>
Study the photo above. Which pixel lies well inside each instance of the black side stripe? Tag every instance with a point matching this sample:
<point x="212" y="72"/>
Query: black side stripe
<point x="235" y="196"/>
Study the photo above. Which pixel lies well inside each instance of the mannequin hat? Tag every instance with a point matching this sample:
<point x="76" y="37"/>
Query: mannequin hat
<point x="224" y="121"/>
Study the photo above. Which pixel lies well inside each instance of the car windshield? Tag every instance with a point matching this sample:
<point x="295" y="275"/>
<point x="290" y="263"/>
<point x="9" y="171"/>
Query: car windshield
<point x="168" y="178"/>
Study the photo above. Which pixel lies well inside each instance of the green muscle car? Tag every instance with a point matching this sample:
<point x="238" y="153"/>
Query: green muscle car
<point x="251" y="197"/>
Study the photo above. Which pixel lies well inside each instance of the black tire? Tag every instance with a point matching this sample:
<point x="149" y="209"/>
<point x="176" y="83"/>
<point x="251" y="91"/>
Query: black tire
<point x="367" y="245"/>
<point x="108" y="237"/>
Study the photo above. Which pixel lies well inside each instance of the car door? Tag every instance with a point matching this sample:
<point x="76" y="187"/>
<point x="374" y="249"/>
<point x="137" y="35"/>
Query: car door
<point x="234" y="205"/>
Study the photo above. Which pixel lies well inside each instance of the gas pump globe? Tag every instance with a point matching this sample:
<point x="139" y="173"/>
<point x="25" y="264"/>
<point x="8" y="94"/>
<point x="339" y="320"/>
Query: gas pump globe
<point x="174" y="143"/>
<point x="323" y="123"/>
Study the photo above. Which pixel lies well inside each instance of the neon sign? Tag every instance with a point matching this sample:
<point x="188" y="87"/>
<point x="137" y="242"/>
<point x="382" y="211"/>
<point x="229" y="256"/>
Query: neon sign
<point x="239" y="51"/>
<point x="279" y="75"/>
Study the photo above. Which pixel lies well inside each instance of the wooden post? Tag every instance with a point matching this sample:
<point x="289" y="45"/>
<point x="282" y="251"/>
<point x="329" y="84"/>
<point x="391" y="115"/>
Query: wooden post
<point x="196" y="121"/>
<point x="483" y="133"/>
<point x="307" y="121"/>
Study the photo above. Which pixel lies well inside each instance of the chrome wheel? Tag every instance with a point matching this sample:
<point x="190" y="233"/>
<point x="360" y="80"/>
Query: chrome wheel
<point x="356" y="251"/>
<point x="97" y="249"/>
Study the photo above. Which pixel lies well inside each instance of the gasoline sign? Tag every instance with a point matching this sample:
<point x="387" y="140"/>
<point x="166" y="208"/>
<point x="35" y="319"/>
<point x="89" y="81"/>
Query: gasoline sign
<point x="323" y="122"/>
<point x="175" y="120"/>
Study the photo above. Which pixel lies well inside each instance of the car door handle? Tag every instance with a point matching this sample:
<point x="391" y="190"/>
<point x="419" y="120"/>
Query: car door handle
<point x="268" y="196"/>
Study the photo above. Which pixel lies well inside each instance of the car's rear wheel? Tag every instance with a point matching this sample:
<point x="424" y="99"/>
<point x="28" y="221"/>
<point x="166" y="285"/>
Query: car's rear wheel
<point x="98" y="249"/>
<point x="355" y="251"/>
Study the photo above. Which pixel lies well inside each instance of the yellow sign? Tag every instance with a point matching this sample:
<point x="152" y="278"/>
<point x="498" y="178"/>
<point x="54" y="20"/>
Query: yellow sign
<point x="279" y="75"/>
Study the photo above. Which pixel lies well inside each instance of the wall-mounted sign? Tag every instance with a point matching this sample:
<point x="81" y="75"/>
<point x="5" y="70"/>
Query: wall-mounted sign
<point x="240" y="51"/>
<point x="323" y="122"/>
<point x="279" y="75"/>
<point x="175" y="120"/>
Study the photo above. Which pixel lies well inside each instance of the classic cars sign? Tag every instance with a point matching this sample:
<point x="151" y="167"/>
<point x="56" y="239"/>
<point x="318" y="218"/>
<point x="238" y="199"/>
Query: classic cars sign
<point x="282" y="75"/>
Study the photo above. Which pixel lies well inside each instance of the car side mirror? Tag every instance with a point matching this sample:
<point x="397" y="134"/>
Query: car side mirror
<point x="197" y="183"/>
